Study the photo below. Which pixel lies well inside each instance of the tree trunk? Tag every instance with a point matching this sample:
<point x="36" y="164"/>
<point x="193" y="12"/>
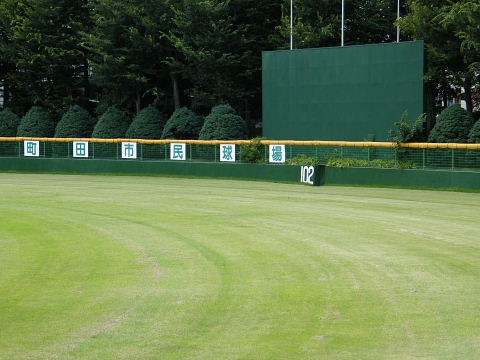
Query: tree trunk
<point x="86" y="79"/>
<point x="5" y="93"/>
<point x="468" y="92"/>
<point x="137" y="101"/>
<point x="444" y="96"/>
<point x="430" y="106"/>
<point x="176" y="91"/>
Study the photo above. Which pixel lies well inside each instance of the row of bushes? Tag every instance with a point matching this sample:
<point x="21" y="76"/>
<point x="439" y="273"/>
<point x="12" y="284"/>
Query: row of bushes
<point x="222" y="123"/>
<point x="453" y="125"/>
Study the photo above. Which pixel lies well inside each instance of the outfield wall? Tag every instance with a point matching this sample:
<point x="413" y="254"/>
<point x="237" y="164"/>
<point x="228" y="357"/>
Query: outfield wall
<point x="436" y="179"/>
<point x="282" y="173"/>
<point x="447" y="179"/>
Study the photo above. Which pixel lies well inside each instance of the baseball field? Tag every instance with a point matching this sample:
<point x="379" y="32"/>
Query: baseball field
<point x="131" y="267"/>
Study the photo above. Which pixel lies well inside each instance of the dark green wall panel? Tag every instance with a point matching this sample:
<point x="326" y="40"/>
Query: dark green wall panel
<point x="284" y="173"/>
<point x="446" y="179"/>
<point x="287" y="173"/>
<point x="341" y="93"/>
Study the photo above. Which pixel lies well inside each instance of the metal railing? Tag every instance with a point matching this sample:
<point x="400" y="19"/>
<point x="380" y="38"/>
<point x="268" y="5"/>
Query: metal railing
<point x="333" y="153"/>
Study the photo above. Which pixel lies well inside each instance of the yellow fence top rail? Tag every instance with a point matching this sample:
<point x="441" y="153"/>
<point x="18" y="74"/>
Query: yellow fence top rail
<point x="458" y="146"/>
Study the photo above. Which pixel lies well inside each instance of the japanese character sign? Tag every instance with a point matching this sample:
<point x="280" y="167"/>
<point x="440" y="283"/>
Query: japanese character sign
<point x="80" y="149"/>
<point x="227" y="152"/>
<point x="129" y="150"/>
<point x="177" y="151"/>
<point x="276" y="153"/>
<point x="31" y="148"/>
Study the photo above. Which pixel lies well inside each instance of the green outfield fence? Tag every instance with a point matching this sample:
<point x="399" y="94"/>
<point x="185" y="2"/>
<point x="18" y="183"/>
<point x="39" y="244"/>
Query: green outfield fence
<point x="333" y="153"/>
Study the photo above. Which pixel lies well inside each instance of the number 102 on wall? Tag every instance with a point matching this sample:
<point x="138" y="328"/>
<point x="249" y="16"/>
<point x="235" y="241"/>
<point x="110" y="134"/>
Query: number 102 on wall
<point x="312" y="175"/>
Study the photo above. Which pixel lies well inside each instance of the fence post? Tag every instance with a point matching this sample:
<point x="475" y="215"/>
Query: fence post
<point x="453" y="159"/>
<point x="423" y="158"/>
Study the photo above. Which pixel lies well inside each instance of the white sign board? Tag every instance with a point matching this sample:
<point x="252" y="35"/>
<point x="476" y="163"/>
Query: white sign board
<point x="178" y="151"/>
<point x="129" y="150"/>
<point x="31" y="148"/>
<point x="80" y="149"/>
<point x="276" y="153"/>
<point x="227" y="152"/>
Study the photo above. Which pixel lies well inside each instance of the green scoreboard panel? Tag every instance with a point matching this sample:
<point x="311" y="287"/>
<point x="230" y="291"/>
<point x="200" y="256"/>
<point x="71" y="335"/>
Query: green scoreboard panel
<point x="341" y="93"/>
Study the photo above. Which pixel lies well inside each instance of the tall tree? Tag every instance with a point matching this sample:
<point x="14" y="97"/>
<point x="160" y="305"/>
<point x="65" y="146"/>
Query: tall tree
<point x="449" y="34"/>
<point x="218" y="48"/>
<point x="370" y="21"/>
<point x="422" y="23"/>
<point x="128" y="50"/>
<point x="6" y="65"/>
<point x="315" y="23"/>
<point x="45" y="49"/>
<point x="464" y="18"/>
<point x="318" y="23"/>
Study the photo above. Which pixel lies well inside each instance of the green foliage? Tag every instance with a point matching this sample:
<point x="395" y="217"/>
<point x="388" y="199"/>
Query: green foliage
<point x="223" y="109"/>
<point x="474" y="135"/>
<point x="147" y="124"/>
<point x="75" y="123"/>
<point x="452" y="126"/>
<point x="45" y="45"/>
<point x="317" y="22"/>
<point x="302" y="160"/>
<point x="221" y="56"/>
<point x="447" y="66"/>
<point x="183" y="124"/>
<point x="210" y="50"/>
<point x="9" y="122"/>
<point x="223" y="124"/>
<point x="36" y="123"/>
<point x="352" y="162"/>
<point x="127" y="44"/>
<point x="112" y="124"/>
<point x="464" y="18"/>
<point x="406" y="132"/>
<point x="253" y="152"/>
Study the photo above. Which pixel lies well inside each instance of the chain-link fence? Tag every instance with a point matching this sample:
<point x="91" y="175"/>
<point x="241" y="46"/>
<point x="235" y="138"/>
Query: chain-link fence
<point x="334" y="153"/>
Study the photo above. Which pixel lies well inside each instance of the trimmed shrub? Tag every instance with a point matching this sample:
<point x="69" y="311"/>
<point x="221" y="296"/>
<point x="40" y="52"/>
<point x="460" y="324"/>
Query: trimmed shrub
<point x="223" y="124"/>
<point x="9" y="122"/>
<point x="75" y="123"/>
<point x="36" y="123"/>
<point x="452" y="126"/>
<point x="184" y="124"/>
<point x="474" y="134"/>
<point x="113" y="124"/>
<point x="223" y="109"/>
<point x="147" y="124"/>
<point x="253" y="152"/>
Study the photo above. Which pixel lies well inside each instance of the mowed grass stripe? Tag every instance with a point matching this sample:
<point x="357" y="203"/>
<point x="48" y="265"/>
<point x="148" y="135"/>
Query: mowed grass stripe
<point x="210" y="269"/>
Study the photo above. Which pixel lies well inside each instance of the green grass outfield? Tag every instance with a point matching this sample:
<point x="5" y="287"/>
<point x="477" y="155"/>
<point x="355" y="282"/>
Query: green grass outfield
<point x="120" y="267"/>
